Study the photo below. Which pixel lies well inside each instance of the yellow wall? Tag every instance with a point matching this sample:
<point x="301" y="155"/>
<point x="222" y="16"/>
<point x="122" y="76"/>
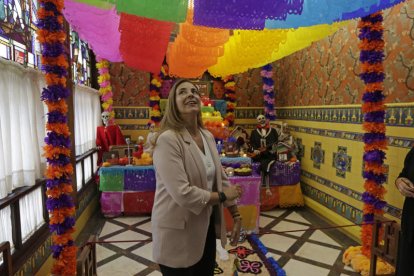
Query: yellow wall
<point x="335" y="195"/>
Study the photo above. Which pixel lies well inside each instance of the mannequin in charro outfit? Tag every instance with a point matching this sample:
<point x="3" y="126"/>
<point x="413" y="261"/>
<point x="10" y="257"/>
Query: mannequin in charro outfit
<point x="262" y="140"/>
<point x="107" y="135"/>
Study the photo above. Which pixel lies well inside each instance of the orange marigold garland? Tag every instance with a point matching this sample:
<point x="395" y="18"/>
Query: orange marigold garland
<point x="57" y="150"/>
<point x="371" y="57"/>
<point x="230" y="97"/>
<point x="154" y="99"/>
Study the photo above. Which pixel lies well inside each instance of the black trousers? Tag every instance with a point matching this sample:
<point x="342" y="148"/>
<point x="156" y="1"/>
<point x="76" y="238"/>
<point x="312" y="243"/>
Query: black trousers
<point x="405" y="260"/>
<point x="204" y="267"/>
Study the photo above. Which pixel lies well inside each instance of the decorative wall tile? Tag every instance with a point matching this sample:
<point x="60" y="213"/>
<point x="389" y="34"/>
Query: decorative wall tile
<point x="341" y="161"/>
<point x="394" y="141"/>
<point x="131" y="113"/>
<point x="396" y="115"/>
<point x="338" y="206"/>
<point x="317" y="155"/>
<point x="301" y="148"/>
<point x="392" y="210"/>
<point x="248" y="113"/>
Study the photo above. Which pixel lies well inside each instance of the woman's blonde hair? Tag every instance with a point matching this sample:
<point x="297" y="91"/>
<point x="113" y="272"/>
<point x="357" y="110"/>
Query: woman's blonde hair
<point x="172" y="119"/>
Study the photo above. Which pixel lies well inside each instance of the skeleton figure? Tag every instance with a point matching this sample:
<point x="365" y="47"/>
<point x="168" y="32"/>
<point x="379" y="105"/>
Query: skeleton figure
<point x="262" y="139"/>
<point x="149" y="144"/>
<point x="105" y="118"/>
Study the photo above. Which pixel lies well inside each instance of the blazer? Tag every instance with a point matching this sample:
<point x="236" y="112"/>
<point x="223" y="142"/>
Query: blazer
<point x="180" y="215"/>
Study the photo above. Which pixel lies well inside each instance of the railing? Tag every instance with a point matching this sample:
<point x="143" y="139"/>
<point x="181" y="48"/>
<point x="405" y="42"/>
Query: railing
<point x="7" y="260"/>
<point x="86" y="167"/>
<point x="86" y="261"/>
<point x="24" y="247"/>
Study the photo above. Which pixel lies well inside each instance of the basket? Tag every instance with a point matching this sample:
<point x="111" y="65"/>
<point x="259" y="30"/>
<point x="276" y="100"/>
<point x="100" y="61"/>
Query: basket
<point x="243" y="173"/>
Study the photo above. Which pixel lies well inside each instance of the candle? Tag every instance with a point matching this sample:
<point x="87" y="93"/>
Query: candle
<point x="244" y="155"/>
<point x="209" y="104"/>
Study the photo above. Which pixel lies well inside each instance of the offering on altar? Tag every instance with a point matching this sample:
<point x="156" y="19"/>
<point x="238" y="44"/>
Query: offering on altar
<point x="286" y="147"/>
<point x="230" y="147"/>
<point x="145" y="160"/>
<point x="139" y="148"/>
<point x="123" y="161"/>
<point x="229" y="171"/>
<point x="150" y="142"/>
<point x="213" y="121"/>
<point x="243" y="171"/>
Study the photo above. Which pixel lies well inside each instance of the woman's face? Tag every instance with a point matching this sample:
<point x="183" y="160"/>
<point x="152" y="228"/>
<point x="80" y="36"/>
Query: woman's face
<point x="187" y="98"/>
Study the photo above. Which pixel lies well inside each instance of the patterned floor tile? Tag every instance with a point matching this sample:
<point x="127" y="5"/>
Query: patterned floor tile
<point x="320" y="236"/>
<point x="318" y="253"/>
<point x="127" y="236"/>
<point x="264" y="221"/>
<point x="145" y="252"/>
<point x="290" y="226"/>
<point x="304" y="254"/>
<point x="297" y="217"/>
<point x="146" y="227"/>
<point x="131" y="220"/>
<point x="109" y="228"/>
<point x="277" y="242"/>
<point x="103" y="253"/>
<point x="297" y="268"/>
<point x="275" y="213"/>
<point x="121" y="266"/>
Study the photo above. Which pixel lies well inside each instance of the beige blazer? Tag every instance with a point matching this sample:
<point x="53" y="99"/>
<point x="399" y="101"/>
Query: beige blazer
<point x="180" y="216"/>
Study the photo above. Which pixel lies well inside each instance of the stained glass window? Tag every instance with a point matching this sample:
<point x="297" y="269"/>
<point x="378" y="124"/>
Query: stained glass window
<point x="18" y="42"/>
<point x="81" y="71"/>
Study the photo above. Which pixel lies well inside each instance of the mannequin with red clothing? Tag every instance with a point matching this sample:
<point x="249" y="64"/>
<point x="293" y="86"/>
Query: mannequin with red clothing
<point x="107" y="135"/>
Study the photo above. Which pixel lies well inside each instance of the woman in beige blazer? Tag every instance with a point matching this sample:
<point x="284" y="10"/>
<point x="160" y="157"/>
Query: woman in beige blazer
<point x="192" y="190"/>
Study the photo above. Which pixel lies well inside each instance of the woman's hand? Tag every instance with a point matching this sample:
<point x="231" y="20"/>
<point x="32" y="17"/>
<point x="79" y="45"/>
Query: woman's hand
<point x="235" y="233"/>
<point x="233" y="192"/>
<point x="405" y="186"/>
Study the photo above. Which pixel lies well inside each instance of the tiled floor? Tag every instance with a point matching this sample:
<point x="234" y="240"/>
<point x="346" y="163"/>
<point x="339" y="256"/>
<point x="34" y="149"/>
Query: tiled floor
<point x="311" y="252"/>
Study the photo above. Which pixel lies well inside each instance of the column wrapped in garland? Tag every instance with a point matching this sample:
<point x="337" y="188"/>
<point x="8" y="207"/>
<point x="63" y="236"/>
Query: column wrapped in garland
<point x="155" y="88"/>
<point x="371" y="58"/>
<point x="268" y="92"/>
<point x="105" y="88"/>
<point x="230" y="97"/>
<point x="51" y="35"/>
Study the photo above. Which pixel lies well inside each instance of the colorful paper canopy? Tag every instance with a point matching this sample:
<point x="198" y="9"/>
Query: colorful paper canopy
<point x="223" y="36"/>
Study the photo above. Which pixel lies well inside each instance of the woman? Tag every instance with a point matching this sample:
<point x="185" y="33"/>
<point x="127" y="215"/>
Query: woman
<point x="404" y="184"/>
<point x="192" y="190"/>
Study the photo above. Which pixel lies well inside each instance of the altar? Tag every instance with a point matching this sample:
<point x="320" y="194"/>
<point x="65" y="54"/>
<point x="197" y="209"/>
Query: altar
<point x="127" y="190"/>
<point x="130" y="191"/>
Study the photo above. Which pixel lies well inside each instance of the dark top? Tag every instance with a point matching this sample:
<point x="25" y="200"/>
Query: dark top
<point x="270" y="137"/>
<point x="405" y="265"/>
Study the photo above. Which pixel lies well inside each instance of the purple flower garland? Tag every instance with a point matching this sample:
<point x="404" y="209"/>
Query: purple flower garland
<point x="268" y="92"/>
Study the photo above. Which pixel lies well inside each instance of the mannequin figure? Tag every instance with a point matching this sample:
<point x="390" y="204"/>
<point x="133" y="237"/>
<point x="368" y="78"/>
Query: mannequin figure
<point x="139" y="147"/>
<point x="262" y="140"/>
<point x="107" y="135"/>
<point x="149" y="144"/>
<point x="287" y="139"/>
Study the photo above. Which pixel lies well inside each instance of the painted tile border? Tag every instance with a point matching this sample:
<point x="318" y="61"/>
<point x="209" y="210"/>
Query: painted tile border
<point x="133" y="126"/>
<point x="389" y="209"/>
<point x="338" y="206"/>
<point x="132" y="113"/>
<point x="393" y="141"/>
<point x="400" y="115"/>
